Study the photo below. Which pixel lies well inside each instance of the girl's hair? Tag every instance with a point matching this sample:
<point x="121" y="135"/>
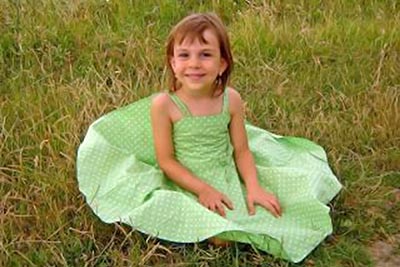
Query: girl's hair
<point x="191" y="28"/>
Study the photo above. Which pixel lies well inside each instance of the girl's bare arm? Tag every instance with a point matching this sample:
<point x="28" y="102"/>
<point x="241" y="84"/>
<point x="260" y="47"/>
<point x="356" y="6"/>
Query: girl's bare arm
<point x="244" y="159"/>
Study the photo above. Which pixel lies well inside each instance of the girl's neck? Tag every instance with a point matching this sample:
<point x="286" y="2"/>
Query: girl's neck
<point x="198" y="94"/>
<point x="202" y="103"/>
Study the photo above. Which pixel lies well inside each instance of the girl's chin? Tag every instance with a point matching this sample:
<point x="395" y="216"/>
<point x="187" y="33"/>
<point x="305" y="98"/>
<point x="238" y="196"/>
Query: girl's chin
<point x="197" y="88"/>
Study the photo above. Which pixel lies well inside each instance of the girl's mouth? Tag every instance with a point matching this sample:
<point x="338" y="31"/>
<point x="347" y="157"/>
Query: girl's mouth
<point x="195" y="76"/>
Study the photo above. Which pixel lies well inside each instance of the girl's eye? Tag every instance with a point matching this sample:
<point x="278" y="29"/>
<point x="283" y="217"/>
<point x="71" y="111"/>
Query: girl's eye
<point x="206" y="54"/>
<point x="183" y="55"/>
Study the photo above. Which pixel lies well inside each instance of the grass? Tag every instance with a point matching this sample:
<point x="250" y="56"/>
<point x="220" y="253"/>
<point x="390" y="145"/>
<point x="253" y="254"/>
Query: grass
<point x="325" y="70"/>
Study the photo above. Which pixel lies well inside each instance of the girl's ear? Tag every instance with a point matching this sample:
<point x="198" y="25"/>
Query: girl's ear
<point x="172" y="62"/>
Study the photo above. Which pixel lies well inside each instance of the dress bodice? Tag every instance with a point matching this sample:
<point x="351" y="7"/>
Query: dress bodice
<point x="200" y="139"/>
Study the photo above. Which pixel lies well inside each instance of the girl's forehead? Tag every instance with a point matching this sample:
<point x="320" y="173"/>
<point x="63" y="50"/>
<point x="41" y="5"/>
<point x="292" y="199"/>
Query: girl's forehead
<point x="208" y="36"/>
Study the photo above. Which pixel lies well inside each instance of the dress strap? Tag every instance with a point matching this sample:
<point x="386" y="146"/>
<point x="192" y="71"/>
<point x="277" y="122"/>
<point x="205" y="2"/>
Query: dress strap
<point x="225" y="104"/>
<point x="181" y="106"/>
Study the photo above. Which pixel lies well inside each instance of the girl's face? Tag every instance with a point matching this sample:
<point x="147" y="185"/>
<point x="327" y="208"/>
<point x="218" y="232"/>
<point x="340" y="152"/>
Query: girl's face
<point x="196" y="65"/>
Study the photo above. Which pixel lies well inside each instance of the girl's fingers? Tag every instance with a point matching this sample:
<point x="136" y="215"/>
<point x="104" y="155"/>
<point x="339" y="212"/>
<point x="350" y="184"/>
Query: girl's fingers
<point x="273" y="205"/>
<point x="220" y="210"/>
<point x="210" y="207"/>
<point x="217" y="204"/>
<point x="227" y="202"/>
<point x="215" y="207"/>
<point x="250" y="206"/>
<point x="276" y="205"/>
<point x="271" y="208"/>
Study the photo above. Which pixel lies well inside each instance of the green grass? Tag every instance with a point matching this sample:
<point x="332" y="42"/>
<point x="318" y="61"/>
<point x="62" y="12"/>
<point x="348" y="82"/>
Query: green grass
<point x="325" y="70"/>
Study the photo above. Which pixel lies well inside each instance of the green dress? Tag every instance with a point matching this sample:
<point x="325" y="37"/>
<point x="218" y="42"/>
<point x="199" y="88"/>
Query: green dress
<point x="119" y="176"/>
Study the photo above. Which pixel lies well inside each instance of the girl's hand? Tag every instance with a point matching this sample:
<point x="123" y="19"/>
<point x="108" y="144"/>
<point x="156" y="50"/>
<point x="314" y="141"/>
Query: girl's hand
<point x="258" y="195"/>
<point x="214" y="200"/>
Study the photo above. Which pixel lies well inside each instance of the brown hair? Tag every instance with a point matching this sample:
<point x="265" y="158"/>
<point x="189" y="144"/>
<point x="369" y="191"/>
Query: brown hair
<point x="192" y="27"/>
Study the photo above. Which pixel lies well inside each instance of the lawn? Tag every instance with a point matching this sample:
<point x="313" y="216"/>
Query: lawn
<point x="324" y="70"/>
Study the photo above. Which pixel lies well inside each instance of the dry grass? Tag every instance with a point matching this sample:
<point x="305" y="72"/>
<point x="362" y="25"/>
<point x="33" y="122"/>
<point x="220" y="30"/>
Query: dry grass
<point x="326" y="71"/>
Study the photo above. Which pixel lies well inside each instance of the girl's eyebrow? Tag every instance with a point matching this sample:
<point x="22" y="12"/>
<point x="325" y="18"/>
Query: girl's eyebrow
<point x="209" y="50"/>
<point x="182" y="49"/>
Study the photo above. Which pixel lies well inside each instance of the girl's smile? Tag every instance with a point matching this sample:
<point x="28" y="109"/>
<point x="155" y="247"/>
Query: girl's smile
<point x="197" y="63"/>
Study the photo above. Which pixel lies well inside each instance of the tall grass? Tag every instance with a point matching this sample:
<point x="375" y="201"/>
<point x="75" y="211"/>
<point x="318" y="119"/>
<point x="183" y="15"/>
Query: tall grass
<point x="328" y="71"/>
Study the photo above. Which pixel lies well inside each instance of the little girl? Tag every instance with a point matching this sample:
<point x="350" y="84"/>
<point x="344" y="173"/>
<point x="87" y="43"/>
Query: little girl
<point x="183" y="166"/>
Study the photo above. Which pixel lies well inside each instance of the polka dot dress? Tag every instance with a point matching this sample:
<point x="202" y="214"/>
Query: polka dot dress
<point x="119" y="176"/>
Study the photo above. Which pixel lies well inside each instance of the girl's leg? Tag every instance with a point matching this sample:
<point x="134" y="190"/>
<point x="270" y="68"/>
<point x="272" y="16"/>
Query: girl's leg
<point x="217" y="242"/>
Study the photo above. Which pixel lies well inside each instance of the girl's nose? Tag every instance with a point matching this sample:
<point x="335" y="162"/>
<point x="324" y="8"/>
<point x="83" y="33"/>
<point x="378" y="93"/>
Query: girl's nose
<point x="194" y="61"/>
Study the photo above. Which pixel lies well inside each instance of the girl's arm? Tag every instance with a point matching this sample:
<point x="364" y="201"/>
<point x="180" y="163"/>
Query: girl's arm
<point x="244" y="159"/>
<point x="162" y="133"/>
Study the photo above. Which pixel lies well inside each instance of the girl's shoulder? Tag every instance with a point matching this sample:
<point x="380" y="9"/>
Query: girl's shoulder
<point x="235" y="100"/>
<point x="233" y="94"/>
<point x="161" y="99"/>
<point x="163" y="104"/>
